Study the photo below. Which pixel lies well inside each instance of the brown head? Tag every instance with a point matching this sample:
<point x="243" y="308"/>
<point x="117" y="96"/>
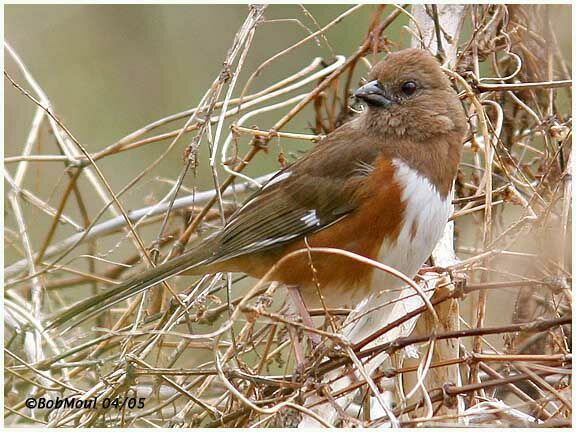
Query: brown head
<point x="409" y="96"/>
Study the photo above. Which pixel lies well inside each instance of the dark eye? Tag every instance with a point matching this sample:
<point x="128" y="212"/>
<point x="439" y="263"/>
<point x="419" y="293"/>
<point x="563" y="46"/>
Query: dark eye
<point x="409" y="87"/>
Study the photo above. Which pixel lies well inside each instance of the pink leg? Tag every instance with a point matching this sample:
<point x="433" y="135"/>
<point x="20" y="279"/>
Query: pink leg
<point x="298" y="351"/>
<point x="298" y="302"/>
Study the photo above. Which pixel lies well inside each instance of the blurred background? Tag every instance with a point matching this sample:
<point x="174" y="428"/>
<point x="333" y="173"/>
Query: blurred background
<point x="110" y="69"/>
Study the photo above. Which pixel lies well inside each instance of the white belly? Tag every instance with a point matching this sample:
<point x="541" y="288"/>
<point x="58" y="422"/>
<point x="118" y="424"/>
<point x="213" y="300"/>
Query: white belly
<point x="425" y="216"/>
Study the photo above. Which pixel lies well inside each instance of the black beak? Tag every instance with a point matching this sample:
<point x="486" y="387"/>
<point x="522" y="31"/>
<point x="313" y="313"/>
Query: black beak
<point x="373" y="94"/>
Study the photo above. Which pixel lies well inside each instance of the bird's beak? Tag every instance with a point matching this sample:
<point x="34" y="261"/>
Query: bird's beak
<point x="373" y="94"/>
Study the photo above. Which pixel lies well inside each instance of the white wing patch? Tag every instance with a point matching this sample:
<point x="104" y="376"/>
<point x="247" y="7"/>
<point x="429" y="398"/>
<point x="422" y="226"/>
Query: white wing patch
<point x="310" y="218"/>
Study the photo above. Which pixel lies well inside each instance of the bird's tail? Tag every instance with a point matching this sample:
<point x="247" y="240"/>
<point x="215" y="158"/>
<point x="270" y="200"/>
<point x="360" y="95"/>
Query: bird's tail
<point x="191" y="262"/>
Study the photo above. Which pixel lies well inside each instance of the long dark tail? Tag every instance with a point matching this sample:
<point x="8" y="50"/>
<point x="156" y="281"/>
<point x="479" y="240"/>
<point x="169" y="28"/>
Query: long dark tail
<point x="192" y="261"/>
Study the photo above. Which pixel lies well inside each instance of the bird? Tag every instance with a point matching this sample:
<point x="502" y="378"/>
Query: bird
<point x="380" y="186"/>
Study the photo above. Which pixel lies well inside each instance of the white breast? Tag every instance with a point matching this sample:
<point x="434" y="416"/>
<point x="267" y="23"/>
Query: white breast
<point x="425" y="216"/>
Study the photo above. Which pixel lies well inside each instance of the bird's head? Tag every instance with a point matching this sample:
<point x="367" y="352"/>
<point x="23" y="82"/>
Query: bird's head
<point x="407" y="94"/>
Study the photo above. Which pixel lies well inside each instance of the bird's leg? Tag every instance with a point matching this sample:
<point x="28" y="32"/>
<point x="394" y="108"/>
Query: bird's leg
<point x="298" y="302"/>
<point x="292" y="314"/>
<point x="298" y="351"/>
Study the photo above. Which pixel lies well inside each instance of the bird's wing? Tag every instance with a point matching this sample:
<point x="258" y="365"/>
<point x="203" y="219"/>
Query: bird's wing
<point x="316" y="191"/>
<point x="306" y="197"/>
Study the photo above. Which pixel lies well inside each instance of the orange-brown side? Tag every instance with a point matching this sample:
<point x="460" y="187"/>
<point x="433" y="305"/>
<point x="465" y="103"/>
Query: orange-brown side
<point x="378" y="218"/>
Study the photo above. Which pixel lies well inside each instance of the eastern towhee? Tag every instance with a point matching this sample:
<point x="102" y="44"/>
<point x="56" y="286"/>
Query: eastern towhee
<point x="379" y="185"/>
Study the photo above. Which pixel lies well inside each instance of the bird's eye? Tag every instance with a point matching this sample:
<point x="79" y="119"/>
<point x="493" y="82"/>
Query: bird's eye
<point x="409" y="87"/>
